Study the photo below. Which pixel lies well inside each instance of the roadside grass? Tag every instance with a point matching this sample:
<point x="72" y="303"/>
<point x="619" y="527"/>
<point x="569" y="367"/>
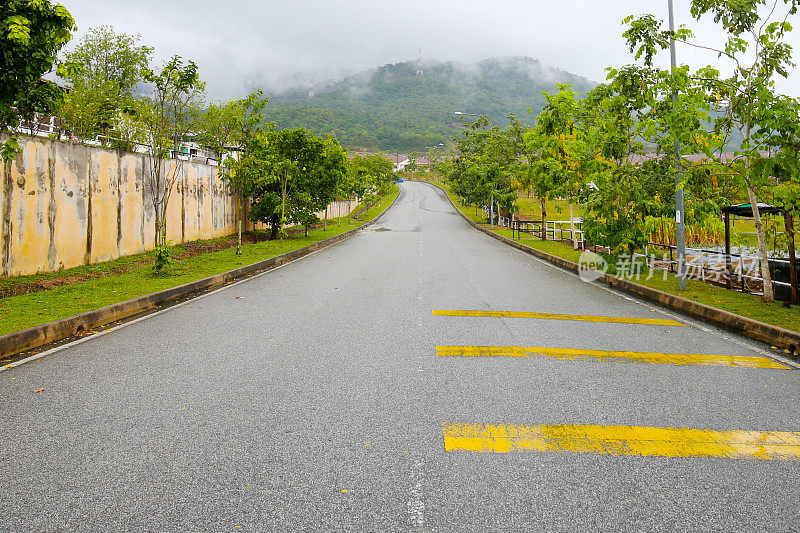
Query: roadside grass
<point x="747" y="305"/>
<point x="27" y="310"/>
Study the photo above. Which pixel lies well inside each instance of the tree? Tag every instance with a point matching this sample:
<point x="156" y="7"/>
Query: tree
<point x="488" y="163"/>
<point x="293" y="174"/>
<point x="105" y="68"/>
<point x="616" y="198"/>
<point x="168" y="115"/>
<point x="228" y="127"/>
<point x="756" y="47"/>
<point x="333" y="172"/>
<point x="31" y="34"/>
<point x="315" y="188"/>
<point x="553" y="152"/>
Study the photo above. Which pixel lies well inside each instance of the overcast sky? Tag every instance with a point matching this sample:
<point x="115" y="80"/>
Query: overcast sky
<point x="245" y="44"/>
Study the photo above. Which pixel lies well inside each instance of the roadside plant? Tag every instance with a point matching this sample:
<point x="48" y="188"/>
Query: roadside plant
<point x="162" y="257"/>
<point x="230" y="128"/>
<point x="31" y="35"/>
<point x="756" y="52"/>
<point x="168" y="116"/>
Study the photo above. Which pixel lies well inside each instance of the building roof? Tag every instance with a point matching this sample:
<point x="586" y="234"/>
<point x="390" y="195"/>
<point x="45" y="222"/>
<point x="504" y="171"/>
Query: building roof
<point x="746" y="210"/>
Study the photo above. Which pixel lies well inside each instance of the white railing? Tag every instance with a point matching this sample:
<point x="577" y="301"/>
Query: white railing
<point x="713" y="266"/>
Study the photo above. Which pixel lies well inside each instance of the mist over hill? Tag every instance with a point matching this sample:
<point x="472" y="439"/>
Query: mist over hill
<point x="391" y="108"/>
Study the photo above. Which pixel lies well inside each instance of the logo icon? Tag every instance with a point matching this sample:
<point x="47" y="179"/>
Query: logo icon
<point x="591" y="267"/>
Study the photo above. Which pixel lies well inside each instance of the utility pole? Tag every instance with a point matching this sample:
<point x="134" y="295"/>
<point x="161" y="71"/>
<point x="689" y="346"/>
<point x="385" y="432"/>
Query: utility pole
<point x="680" y="214"/>
<point x="491" y="210"/>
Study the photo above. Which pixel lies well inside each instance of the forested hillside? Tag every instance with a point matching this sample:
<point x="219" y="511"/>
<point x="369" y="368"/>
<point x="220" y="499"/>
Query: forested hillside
<point x="390" y="108"/>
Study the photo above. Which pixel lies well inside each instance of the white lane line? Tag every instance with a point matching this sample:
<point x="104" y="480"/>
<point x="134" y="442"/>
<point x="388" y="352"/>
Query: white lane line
<point x="147" y="316"/>
<point x="415" y="506"/>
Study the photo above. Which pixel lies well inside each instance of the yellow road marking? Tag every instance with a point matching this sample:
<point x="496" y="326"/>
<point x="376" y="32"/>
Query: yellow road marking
<point x="552" y="316"/>
<point x="623" y="440"/>
<point x="613" y="356"/>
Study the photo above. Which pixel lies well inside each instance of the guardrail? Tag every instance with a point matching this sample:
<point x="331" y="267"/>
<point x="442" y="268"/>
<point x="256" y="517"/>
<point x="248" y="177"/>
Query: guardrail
<point x="736" y="271"/>
<point x="555" y="230"/>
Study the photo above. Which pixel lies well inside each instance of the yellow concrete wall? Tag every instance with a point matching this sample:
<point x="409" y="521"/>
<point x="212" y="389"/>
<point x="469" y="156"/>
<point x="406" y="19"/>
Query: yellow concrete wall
<point x="29" y="208"/>
<point x="46" y="194"/>
<point x="71" y="192"/>
<point x="103" y="183"/>
<point x="131" y="200"/>
<point x="64" y="205"/>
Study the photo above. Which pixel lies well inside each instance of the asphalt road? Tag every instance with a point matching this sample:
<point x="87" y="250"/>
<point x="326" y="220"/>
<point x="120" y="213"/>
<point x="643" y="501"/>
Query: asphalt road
<point x="312" y="398"/>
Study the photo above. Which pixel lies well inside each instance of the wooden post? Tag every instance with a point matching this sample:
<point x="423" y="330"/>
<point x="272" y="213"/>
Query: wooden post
<point x="741" y="268"/>
<point x="572" y="226"/>
<point x="787" y="216"/>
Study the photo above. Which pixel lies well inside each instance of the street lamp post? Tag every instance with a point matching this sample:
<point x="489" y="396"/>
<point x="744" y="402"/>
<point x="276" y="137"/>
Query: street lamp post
<point x="680" y="215"/>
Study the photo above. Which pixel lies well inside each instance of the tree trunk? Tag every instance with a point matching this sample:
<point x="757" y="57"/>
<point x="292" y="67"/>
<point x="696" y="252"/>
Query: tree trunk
<point x="769" y="294"/>
<point x="572" y="226"/>
<point x="239" y="225"/>
<point x="283" y="197"/>
<point x="273" y="234"/>
<point x="157" y="227"/>
<point x="543" y="203"/>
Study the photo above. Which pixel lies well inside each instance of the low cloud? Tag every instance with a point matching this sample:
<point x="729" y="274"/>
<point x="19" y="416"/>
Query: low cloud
<point x="274" y="45"/>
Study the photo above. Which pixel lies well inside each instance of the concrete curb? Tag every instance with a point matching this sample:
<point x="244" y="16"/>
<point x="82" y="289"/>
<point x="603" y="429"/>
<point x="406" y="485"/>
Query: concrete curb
<point x="37" y="336"/>
<point x="747" y="327"/>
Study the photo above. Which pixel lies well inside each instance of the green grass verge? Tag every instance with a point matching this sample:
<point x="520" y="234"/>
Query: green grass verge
<point x="27" y="310"/>
<point x="746" y="305"/>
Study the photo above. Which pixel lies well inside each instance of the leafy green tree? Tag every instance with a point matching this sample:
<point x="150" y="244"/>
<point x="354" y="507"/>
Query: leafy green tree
<point x="232" y="126"/>
<point x="333" y="173"/>
<point x="487" y="164"/>
<point x="315" y="188"/>
<point x="31" y="35"/>
<point x="168" y="115"/>
<point x="615" y="200"/>
<point x="293" y="174"/>
<point x="105" y="68"/>
<point x="756" y="45"/>
<point x="554" y="150"/>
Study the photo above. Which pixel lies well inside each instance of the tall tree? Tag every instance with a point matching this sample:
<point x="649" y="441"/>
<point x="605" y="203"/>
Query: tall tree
<point x="757" y="50"/>
<point x="615" y="199"/>
<point x="169" y="114"/>
<point x="105" y="69"/>
<point x="31" y="35"/>
<point x="293" y="174"/>
<point x="488" y="163"/>
<point x="553" y="154"/>
<point x="230" y="128"/>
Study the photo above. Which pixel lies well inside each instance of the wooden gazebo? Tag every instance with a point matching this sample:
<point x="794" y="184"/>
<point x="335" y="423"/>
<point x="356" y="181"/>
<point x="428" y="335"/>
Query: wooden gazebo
<point x="746" y="211"/>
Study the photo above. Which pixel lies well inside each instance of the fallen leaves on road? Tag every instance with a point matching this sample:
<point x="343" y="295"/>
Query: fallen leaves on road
<point x="40" y="390"/>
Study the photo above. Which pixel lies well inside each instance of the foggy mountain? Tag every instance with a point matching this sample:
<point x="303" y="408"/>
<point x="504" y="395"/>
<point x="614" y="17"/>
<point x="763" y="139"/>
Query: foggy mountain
<point x="392" y="108"/>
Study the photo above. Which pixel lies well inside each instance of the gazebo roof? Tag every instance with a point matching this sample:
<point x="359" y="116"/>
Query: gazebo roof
<point x="746" y="210"/>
